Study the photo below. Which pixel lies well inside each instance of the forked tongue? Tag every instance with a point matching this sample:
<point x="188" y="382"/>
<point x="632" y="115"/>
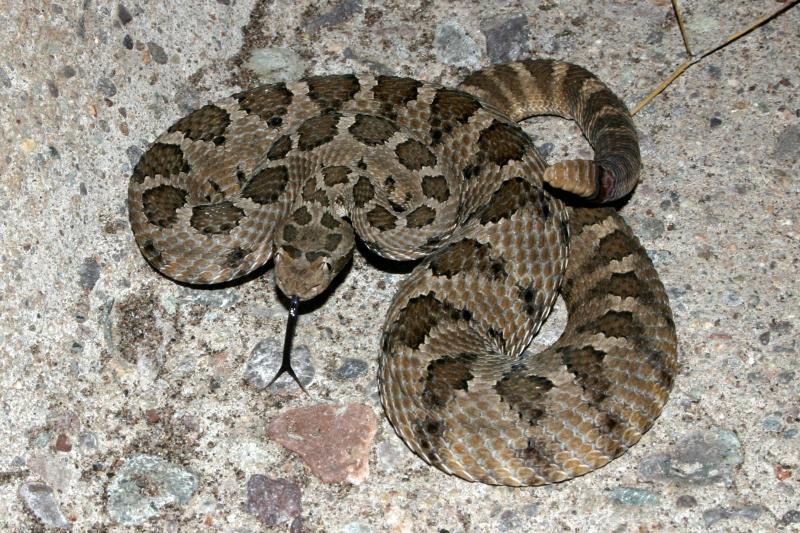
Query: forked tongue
<point x="286" y="361"/>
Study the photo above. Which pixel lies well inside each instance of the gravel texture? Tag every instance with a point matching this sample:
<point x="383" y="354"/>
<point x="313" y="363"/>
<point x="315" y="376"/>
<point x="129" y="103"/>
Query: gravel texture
<point x="130" y="403"/>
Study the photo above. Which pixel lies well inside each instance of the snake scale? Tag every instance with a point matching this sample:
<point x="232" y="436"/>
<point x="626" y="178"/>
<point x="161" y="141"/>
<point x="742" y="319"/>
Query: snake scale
<point x="294" y="171"/>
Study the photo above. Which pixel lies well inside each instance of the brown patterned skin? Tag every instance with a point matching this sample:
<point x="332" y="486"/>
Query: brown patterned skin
<point x="422" y="171"/>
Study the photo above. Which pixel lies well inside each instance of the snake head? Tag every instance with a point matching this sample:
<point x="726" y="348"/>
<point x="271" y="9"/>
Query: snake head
<point x="311" y="248"/>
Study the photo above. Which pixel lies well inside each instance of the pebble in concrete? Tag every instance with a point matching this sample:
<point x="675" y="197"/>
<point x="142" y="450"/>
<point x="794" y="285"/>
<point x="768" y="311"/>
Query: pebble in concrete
<point x="38" y="498"/>
<point x="273" y="501"/>
<point x="144" y="485"/>
<point x="334" y="441"/>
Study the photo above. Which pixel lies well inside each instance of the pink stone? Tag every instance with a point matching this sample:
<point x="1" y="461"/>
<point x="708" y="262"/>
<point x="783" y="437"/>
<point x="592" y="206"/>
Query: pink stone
<point x="63" y="444"/>
<point x="333" y="440"/>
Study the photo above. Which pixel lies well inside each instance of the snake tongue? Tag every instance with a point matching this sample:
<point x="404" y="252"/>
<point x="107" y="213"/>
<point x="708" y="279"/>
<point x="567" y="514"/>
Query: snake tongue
<point x="286" y="361"/>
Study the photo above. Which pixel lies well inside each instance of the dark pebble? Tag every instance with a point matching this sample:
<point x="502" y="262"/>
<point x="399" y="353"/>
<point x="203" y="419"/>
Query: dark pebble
<point x="106" y="87"/>
<point x="52" y="88"/>
<point x="351" y="368"/>
<point x="714" y="71"/>
<point x="786" y="147"/>
<point x="273" y="501"/>
<point x="123" y="14"/>
<point x="791" y="517"/>
<point x="89" y="273"/>
<point x="157" y="53"/>
<point x="343" y="11"/>
<point x="507" y="40"/>
<point x="63" y="444"/>
<point x="134" y="154"/>
<point x="654" y="37"/>
<point x="685" y="501"/>
<point x="545" y="149"/>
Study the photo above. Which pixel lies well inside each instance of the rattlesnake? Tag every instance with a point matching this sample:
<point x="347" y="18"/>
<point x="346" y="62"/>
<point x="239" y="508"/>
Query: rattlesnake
<point x="294" y="171"/>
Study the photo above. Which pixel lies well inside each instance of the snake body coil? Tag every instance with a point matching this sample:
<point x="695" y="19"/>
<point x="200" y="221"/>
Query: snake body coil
<point x="293" y="171"/>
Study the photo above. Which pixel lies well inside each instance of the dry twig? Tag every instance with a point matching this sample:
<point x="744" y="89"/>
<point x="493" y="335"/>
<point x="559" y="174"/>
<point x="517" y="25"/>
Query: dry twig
<point x="695" y="58"/>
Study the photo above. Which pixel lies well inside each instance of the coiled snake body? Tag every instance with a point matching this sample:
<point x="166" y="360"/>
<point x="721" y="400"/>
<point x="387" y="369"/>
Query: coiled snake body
<point x="292" y="171"/>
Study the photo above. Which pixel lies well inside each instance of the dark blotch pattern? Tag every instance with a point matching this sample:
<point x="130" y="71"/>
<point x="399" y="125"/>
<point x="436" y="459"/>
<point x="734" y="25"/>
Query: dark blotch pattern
<point x="538" y="452"/>
<point x="615" y="324"/>
<point x="363" y="192"/>
<point x="529" y="296"/>
<point x="616" y="246"/>
<point x="312" y="256"/>
<point x="497" y="336"/>
<point x="329" y="221"/>
<point x="501" y="143"/>
<point x="430" y="436"/>
<point x="397" y="208"/>
<point x="660" y="362"/>
<point x="216" y="218"/>
<point x="542" y="73"/>
<point x="372" y="130"/>
<point x="414" y="155"/>
<point x="450" y="109"/>
<point x="267" y="186"/>
<point x="312" y="195"/>
<point x="490" y="84"/>
<point x="330" y="92"/>
<point x="336" y="175"/>
<point x="205" y="124"/>
<point x="525" y="394"/>
<point x="394" y="92"/>
<point x="587" y="365"/>
<point x="292" y="251"/>
<point x="152" y="253"/>
<point x="420" y="217"/>
<point x="164" y="159"/>
<point x="512" y="195"/>
<point x="381" y="218"/>
<point x="471" y="170"/>
<point x="467" y="255"/>
<point x="317" y="131"/>
<point x="236" y="256"/>
<point x="435" y="187"/>
<point x="445" y="376"/>
<point x="332" y="241"/>
<point x="624" y="285"/>
<point x="583" y="218"/>
<point x="270" y="102"/>
<point x="417" y="318"/>
<point x="301" y="216"/>
<point x="279" y="148"/>
<point x="161" y="204"/>
<point x="289" y="232"/>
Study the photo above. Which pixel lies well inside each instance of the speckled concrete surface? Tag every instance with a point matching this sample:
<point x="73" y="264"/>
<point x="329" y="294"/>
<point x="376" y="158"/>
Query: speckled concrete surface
<point x="131" y="403"/>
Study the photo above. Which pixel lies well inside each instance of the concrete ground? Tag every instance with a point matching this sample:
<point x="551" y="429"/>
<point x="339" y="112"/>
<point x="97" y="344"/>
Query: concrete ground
<point x="130" y="403"/>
